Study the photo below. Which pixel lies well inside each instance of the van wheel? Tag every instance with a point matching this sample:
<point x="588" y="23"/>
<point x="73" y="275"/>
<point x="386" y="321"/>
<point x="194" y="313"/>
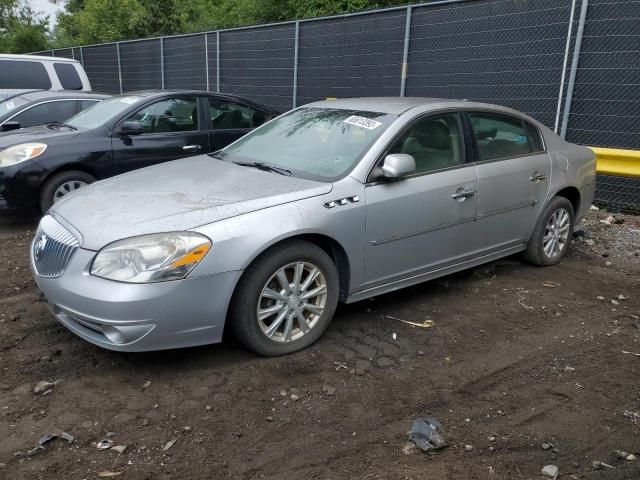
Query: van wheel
<point x="552" y="234"/>
<point x="60" y="185"/>
<point x="285" y="299"/>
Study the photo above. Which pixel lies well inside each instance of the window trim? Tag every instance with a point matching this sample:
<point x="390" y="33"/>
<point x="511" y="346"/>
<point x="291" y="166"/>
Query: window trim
<point x="468" y="149"/>
<point x="476" y="149"/>
<point x="29" y="107"/>
<point x="209" y="120"/>
<point x="158" y="100"/>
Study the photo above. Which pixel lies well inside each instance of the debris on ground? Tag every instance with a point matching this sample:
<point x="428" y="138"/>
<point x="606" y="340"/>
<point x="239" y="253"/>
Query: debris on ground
<point x="427" y="434"/>
<point x="146" y="385"/>
<point x="550" y="471"/>
<point x="108" y="474"/>
<point x="169" y="444"/>
<point x="43" y="440"/>
<point x="43" y="386"/>
<point x="598" y="465"/>
<point x="105" y="444"/>
<point x="119" y="448"/>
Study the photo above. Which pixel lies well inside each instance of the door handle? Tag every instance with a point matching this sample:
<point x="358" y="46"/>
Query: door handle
<point x="464" y="195"/>
<point x="191" y="148"/>
<point x="537" y="177"/>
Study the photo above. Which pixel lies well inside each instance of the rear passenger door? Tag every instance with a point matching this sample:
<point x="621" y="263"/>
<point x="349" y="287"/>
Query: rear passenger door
<point x="228" y="121"/>
<point x="513" y="178"/>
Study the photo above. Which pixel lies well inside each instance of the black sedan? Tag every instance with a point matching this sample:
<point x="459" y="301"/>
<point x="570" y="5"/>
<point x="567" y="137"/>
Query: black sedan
<point x="40" y="107"/>
<point x="40" y="165"/>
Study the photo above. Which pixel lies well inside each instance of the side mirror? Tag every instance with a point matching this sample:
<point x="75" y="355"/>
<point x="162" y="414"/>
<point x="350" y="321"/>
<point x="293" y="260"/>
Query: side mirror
<point x="398" y="165"/>
<point x="130" y="128"/>
<point x="8" y="126"/>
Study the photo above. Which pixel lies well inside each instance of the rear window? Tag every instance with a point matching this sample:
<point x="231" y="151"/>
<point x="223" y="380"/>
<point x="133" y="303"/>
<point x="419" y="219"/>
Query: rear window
<point x="68" y="76"/>
<point x="24" y="75"/>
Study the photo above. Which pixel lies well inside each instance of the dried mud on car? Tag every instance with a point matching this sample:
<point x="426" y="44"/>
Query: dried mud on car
<point x="506" y="357"/>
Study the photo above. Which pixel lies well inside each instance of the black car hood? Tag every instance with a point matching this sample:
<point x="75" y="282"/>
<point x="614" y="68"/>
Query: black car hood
<point x="36" y="134"/>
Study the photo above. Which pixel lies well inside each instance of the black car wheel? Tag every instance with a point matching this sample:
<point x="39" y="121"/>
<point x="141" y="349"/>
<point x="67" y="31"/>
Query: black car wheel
<point x="285" y="300"/>
<point x="60" y="185"/>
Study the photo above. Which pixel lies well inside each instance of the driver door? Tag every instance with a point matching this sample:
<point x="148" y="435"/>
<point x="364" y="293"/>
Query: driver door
<point x="170" y="131"/>
<point x="422" y="222"/>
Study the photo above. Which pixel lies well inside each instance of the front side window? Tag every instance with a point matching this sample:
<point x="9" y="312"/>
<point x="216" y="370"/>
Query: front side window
<point x="24" y="75"/>
<point x="227" y="115"/>
<point x="68" y="76"/>
<point x="50" y="112"/>
<point x="499" y="136"/>
<point x="171" y="115"/>
<point x="317" y="143"/>
<point x="434" y="142"/>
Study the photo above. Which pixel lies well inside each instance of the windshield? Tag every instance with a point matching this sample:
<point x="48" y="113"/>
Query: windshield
<point x="102" y="112"/>
<point x="11" y="104"/>
<point x="317" y="143"/>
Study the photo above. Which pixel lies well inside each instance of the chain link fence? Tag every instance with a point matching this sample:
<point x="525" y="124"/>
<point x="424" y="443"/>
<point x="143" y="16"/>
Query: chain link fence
<point x="572" y="64"/>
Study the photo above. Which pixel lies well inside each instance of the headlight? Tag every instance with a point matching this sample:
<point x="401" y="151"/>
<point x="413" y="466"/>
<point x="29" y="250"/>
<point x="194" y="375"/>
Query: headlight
<point x="151" y="258"/>
<point x="20" y="153"/>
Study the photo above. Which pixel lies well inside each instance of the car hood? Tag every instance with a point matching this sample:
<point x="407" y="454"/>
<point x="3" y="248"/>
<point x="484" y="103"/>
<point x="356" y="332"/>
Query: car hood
<point x="176" y="196"/>
<point x="35" y="134"/>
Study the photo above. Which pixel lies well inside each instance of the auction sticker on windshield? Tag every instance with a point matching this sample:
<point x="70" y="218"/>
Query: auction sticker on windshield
<point x="362" y="122"/>
<point x="129" y="100"/>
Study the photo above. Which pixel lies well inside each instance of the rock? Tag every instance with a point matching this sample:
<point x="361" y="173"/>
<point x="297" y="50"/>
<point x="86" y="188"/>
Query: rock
<point x="631" y="457"/>
<point x="145" y="422"/>
<point x="600" y="297"/>
<point x="208" y="408"/>
<point x="614" y="302"/>
<point x="42" y="386"/>
<point x="546" y="446"/>
<point x="593" y="207"/>
<point x="468" y="448"/>
<point x="555" y="450"/>
<point x="186" y="428"/>
<point x="283" y="392"/>
<point x="119" y="448"/>
<point x="169" y="444"/>
<point x="621" y="297"/>
<point x="269" y="418"/>
<point x="569" y="369"/>
<point x="550" y="471"/>
<point x="328" y="389"/>
<point x="492" y="438"/>
<point x="590" y="242"/>
<point x="409" y="449"/>
<point x="294" y="397"/>
<point x="607" y="263"/>
<point x="146" y="385"/>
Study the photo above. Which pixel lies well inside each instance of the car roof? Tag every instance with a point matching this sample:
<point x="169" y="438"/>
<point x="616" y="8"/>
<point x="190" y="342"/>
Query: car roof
<point x="46" y="94"/>
<point x="11" y="56"/>
<point x="160" y="93"/>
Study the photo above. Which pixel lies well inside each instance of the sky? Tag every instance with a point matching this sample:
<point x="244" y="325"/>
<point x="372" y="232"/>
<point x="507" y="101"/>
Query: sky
<point x="46" y="7"/>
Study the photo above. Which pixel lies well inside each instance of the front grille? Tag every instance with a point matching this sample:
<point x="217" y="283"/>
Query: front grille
<point x="52" y="248"/>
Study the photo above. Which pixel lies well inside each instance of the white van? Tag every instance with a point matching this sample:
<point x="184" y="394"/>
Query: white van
<point x="22" y="73"/>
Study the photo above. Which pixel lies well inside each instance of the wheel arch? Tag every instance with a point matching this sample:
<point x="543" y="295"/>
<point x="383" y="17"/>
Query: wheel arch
<point x="572" y="194"/>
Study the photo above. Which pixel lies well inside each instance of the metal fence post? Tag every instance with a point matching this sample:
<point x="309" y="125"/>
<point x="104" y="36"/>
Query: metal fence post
<point x="405" y="53"/>
<point x="206" y="58"/>
<point x="81" y="56"/>
<point x="162" y="63"/>
<point x="218" y="61"/>
<point x="574" y="68"/>
<point x="119" y="66"/>
<point x="564" y="65"/>
<point x="53" y="53"/>
<point x="295" y="66"/>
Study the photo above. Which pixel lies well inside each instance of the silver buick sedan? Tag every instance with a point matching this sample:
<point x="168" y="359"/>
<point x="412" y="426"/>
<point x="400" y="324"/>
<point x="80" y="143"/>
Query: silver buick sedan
<point x="334" y="201"/>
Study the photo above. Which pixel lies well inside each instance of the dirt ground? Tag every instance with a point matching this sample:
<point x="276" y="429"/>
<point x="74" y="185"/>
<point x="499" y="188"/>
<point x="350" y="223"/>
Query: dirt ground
<point x="512" y="357"/>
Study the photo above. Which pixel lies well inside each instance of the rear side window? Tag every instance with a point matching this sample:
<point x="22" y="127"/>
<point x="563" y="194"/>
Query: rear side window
<point x="68" y="76"/>
<point x="499" y="136"/>
<point x="24" y="75"/>
<point x="84" y="104"/>
<point x="49" y="112"/>
<point x="534" y="138"/>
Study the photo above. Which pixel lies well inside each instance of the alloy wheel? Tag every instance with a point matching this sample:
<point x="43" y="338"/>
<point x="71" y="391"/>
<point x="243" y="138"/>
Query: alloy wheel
<point x="66" y="188"/>
<point x="292" y="302"/>
<point x="556" y="233"/>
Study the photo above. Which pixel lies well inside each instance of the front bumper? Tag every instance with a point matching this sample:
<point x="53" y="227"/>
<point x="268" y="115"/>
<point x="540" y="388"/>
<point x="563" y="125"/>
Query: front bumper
<point x="138" y="317"/>
<point x="20" y="186"/>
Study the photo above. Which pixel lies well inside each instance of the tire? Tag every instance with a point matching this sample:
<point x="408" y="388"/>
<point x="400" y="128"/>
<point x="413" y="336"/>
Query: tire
<point x="535" y="252"/>
<point x="261" y="274"/>
<point x="49" y="191"/>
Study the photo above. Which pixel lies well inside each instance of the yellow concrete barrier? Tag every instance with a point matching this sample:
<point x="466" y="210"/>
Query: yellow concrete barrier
<point x="615" y="161"/>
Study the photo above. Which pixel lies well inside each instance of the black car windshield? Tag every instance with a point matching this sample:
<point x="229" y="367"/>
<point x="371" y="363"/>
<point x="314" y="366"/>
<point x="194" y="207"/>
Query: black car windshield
<point x="316" y="143"/>
<point x="9" y="105"/>
<point x="102" y="112"/>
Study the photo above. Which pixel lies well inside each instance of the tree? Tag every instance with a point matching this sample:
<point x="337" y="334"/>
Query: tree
<point x="22" y="29"/>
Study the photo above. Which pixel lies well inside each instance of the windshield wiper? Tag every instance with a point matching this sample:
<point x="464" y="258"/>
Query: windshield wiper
<point x="267" y="168"/>
<point x="60" y="124"/>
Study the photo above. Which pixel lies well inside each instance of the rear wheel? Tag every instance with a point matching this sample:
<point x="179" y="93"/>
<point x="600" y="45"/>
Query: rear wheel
<point x="285" y="299"/>
<point x="60" y="185"/>
<point x="552" y="234"/>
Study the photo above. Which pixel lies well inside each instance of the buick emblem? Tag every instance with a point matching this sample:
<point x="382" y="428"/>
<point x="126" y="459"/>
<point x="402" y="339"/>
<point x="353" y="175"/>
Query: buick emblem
<point x="38" y="247"/>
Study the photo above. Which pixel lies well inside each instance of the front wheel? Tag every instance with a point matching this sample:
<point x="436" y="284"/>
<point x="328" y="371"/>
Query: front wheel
<point x="552" y="234"/>
<point x="62" y="184"/>
<point x="285" y="300"/>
